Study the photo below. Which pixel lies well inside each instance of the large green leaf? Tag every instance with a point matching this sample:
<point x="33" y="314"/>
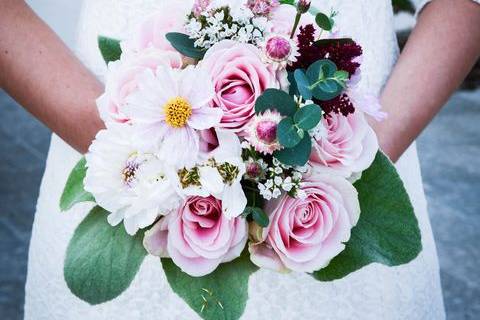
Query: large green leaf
<point x="278" y="100"/>
<point x="288" y="134"/>
<point x="110" y="49"/>
<point x="74" y="192"/>
<point x="220" y="295"/>
<point x="101" y="260"/>
<point x="387" y="231"/>
<point x="308" y="116"/>
<point x="186" y="46"/>
<point x="298" y="155"/>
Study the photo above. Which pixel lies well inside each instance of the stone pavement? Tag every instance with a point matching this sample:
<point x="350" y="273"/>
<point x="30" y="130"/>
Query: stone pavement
<point x="449" y="152"/>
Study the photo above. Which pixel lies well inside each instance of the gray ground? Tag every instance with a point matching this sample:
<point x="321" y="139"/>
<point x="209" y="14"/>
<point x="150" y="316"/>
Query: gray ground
<point x="449" y="152"/>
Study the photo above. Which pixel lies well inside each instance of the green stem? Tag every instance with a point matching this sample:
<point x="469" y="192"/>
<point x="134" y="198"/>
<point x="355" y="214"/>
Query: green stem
<point x="295" y="25"/>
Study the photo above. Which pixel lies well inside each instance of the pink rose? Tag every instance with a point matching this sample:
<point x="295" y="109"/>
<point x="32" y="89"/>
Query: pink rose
<point x="197" y="236"/>
<point x="240" y="77"/>
<point x="348" y="144"/>
<point x="122" y="79"/>
<point x="169" y="17"/>
<point x="283" y="18"/>
<point x="305" y="234"/>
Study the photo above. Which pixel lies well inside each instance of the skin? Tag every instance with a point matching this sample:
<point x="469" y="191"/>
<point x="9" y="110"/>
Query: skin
<point x="442" y="49"/>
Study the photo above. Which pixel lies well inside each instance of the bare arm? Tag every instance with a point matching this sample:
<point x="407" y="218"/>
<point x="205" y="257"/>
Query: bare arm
<point x="41" y="73"/>
<point x="439" y="54"/>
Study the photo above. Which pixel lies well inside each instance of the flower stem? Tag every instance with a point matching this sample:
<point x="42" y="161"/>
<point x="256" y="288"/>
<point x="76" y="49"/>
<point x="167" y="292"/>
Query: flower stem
<point x="295" y="25"/>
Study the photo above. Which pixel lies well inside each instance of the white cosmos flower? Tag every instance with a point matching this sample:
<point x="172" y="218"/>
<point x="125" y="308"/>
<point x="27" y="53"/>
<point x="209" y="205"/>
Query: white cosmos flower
<point x="169" y="108"/>
<point x="220" y="176"/>
<point x="129" y="183"/>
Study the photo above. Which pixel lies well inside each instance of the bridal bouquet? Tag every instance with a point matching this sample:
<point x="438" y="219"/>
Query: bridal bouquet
<point x="236" y="138"/>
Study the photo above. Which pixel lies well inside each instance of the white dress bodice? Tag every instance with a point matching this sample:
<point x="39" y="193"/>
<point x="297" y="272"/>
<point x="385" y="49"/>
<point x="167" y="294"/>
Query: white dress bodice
<point x="411" y="291"/>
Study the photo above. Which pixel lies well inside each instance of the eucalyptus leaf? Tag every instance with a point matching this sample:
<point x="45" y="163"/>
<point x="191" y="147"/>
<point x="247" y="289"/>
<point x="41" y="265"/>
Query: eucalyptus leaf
<point x="308" y="117"/>
<point x="259" y="216"/>
<point x="74" y="191"/>
<point x="186" y="46"/>
<point x="101" y="260"/>
<point x="302" y="84"/>
<point x="287" y="133"/>
<point x="321" y="69"/>
<point x="387" y="231"/>
<point x="223" y="294"/>
<point x="296" y="156"/>
<point x="274" y="99"/>
<point x="109" y="48"/>
<point x="324" y="21"/>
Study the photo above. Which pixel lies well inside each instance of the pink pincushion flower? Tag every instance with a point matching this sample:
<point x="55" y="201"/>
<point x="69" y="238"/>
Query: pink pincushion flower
<point x="348" y="144"/>
<point x="122" y="79"/>
<point x="262" y="132"/>
<point x="199" y="7"/>
<point x="169" y="111"/>
<point x="305" y="234"/>
<point x="197" y="236"/>
<point x="239" y="77"/>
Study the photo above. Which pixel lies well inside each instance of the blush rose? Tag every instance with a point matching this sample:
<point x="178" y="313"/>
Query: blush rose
<point x="197" y="236"/>
<point x="348" y="144"/>
<point x="240" y="77"/>
<point x="305" y="234"/>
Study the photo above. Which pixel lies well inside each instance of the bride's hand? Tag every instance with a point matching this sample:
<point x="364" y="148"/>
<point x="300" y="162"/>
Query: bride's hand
<point x="440" y="52"/>
<point x="41" y="73"/>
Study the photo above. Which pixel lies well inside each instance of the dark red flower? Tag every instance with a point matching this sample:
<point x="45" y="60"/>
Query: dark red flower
<point x="340" y="104"/>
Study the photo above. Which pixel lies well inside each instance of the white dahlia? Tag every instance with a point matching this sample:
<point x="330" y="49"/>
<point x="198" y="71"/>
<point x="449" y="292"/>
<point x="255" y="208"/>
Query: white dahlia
<point x="129" y="183"/>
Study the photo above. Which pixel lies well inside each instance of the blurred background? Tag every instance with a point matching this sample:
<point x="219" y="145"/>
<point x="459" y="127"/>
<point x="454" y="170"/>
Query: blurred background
<point x="449" y="151"/>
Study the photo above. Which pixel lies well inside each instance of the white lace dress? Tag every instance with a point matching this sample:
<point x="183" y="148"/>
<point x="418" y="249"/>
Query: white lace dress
<point x="376" y="292"/>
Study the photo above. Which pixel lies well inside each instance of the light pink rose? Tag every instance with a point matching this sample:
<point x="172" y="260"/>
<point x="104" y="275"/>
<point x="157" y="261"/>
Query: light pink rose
<point x="305" y="234"/>
<point x="283" y="18"/>
<point x="197" y="236"/>
<point x="170" y="16"/>
<point x="348" y="144"/>
<point x="122" y="79"/>
<point x="239" y="78"/>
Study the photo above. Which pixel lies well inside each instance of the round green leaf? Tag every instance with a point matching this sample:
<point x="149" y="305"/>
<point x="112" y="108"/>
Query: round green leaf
<point x="302" y="84"/>
<point x="298" y="155"/>
<point x="287" y="133"/>
<point x="222" y="294"/>
<point x="101" y="260"/>
<point x="186" y="46"/>
<point x="74" y="192"/>
<point x="387" y="231"/>
<point x="321" y="69"/>
<point x="109" y="48"/>
<point x="324" y="21"/>
<point x="274" y="99"/>
<point x="308" y="117"/>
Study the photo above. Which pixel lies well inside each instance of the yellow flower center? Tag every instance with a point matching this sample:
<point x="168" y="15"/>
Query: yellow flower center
<point x="177" y="111"/>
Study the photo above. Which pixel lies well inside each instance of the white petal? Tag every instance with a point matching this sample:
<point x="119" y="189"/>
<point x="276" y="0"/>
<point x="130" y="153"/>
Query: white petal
<point x="234" y="200"/>
<point x="211" y="180"/>
<point x="205" y="118"/>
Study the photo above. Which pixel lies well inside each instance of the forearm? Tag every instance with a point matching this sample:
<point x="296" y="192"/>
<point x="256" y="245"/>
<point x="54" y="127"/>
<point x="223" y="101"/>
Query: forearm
<point x="41" y="73"/>
<point x="439" y="54"/>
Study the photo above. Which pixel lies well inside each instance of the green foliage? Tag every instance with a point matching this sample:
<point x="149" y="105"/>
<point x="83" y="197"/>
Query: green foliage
<point x="290" y="2"/>
<point x="222" y="294"/>
<point x="109" y="48"/>
<point x="288" y="134"/>
<point x="186" y="46"/>
<point x="101" y="260"/>
<point x="403" y="5"/>
<point x="308" y="117"/>
<point x="274" y="99"/>
<point x="257" y="215"/>
<point x="322" y="80"/>
<point x="74" y="192"/>
<point x="296" y="156"/>
<point x="324" y="21"/>
<point x="387" y="231"/>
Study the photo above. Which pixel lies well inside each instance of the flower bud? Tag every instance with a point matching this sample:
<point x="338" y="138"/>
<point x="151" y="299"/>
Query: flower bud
<point x="303" y="6"/>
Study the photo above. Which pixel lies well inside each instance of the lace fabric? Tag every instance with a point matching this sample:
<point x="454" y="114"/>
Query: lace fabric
<point x="410" y="292"/>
